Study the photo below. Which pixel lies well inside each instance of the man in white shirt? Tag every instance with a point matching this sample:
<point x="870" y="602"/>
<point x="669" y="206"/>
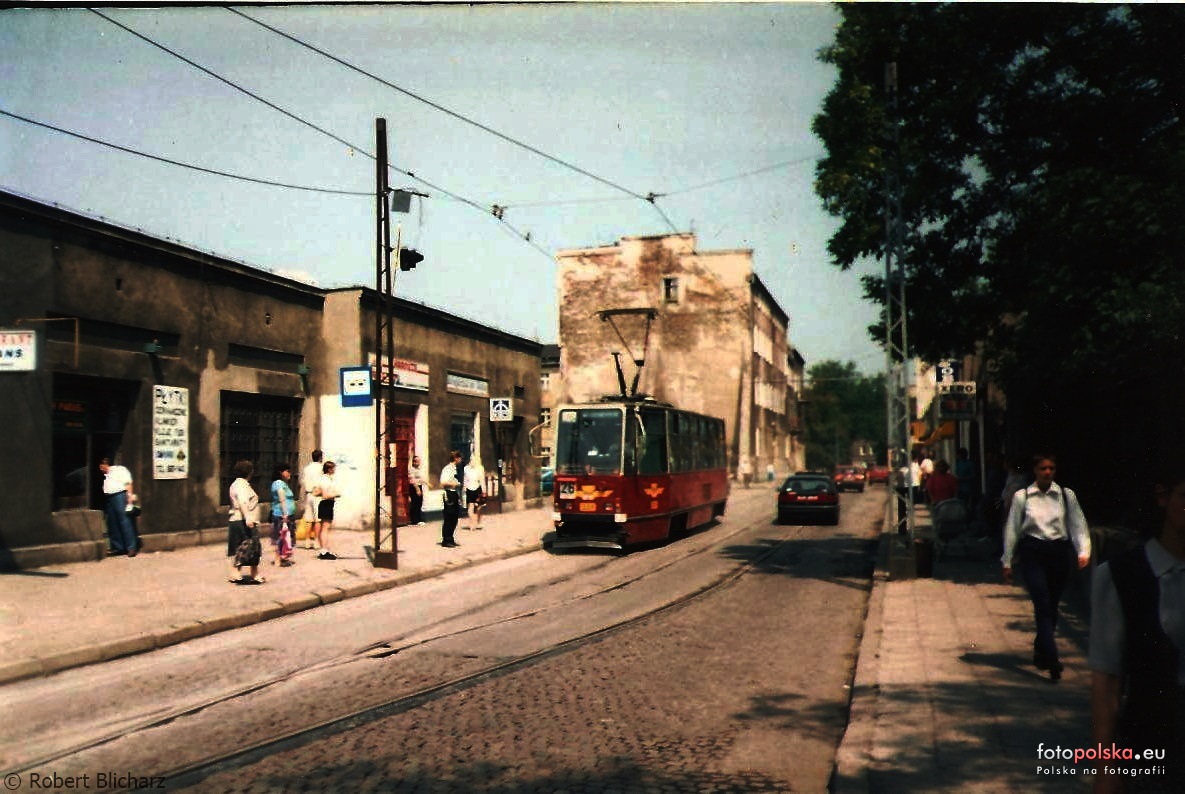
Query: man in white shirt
<point x="452" y="500"/>
<point x="117" y="488"/>
<point x="309" y="477"/>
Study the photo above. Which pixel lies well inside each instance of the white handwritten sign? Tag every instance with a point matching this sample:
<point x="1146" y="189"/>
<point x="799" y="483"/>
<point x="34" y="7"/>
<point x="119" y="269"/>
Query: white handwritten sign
<point x="18" y="351"/>
<point x="170" y="433"/>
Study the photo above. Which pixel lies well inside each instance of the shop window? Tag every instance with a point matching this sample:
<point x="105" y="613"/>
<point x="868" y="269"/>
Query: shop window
<point x="262" y="429"/>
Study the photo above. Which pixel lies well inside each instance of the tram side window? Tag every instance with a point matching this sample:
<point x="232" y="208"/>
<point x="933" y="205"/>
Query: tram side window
<point x="654" y="459"/>
<point x="682" y="443"/>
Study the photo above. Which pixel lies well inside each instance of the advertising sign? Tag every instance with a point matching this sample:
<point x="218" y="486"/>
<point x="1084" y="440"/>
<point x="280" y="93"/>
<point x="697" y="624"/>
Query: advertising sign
<point x="170" y="433"/>
<point x="18" y="350"/>
<point x="957" y="400"/>
<point x="403" y="373"/>
<point x="460" y="384"/>
<point x="355" y="387"/>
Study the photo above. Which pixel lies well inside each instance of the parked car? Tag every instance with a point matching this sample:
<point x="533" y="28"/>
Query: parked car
<point x="808" y="497"/>
<point x="849" y="478"/>
<point x="878" y="474"/>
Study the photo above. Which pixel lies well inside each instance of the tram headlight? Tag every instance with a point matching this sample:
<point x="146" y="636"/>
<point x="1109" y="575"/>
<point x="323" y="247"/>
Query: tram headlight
<point x="619" y="518"/>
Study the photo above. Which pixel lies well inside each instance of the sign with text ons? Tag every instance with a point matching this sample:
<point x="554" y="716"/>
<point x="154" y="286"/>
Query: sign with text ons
<point x="170" y="433"/>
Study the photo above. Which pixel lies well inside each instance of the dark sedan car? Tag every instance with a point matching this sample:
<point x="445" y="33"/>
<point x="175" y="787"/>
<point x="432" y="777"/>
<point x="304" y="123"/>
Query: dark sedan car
<point x="808" y="497"/>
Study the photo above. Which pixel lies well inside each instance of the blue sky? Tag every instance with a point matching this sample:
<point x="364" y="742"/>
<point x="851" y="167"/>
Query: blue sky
<point x="708" y="105"/>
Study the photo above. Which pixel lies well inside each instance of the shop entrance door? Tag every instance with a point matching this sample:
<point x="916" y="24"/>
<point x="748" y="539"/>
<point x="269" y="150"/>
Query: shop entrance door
<point x="401" y="431"/>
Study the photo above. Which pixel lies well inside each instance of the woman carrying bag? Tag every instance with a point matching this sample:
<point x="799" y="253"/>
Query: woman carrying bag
<point x="242" y="542"/>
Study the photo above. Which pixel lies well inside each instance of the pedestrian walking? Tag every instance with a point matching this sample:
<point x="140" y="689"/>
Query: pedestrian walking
<point x="309" y="477"/>
<point x="283" y="511"/>
<point x="118" y="494"/>
<point x="1137" y="647"/>
<point x="746" y="471"/>
<point x="415" y="486"/>
<point x="475" y="476"/>
<point x="327" y="493"/>
<point x="242" y="537"/>
<point x="1044" y="529"/>
<point x="451" y="510"/>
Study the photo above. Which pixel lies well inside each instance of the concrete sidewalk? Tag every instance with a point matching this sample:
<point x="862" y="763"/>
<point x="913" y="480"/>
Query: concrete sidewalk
<point x="946" y="697"/>
<point x="70" y="615"/>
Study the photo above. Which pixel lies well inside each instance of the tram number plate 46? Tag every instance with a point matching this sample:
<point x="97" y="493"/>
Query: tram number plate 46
<point x="587" y="507"/>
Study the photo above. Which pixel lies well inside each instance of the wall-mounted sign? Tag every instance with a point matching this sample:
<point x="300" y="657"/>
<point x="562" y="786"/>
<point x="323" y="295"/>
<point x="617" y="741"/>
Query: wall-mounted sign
<point x="461" y="384"/>
<point x="957" y="400"/>
<point x="170" y="433"/>
<point x="501" y="409"/>
<point x="355" y="387"/>
<point x="18" y="350"/>
<point x="402" y="374"/>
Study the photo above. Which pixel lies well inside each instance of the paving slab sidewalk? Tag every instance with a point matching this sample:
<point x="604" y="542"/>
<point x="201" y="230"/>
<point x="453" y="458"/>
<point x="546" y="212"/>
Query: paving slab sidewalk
<point x="65" y="616"/>
<point x="945" y="696"/>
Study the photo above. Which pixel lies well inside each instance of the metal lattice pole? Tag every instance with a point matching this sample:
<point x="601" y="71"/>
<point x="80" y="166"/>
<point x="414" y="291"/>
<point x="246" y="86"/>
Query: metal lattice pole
<point x="897" y="375"/>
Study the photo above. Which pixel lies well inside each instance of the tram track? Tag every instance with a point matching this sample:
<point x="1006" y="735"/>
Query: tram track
<point x="193" y="774"/>
<point x="386" y="649"/>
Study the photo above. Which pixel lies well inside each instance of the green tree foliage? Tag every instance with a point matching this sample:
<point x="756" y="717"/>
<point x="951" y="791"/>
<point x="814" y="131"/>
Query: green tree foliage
<point x="842" y="407"/>
<point x="1042" y="164"/>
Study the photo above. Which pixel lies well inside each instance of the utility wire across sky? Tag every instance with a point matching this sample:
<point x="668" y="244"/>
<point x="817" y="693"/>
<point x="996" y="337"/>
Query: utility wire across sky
<point x="496" y="210"/>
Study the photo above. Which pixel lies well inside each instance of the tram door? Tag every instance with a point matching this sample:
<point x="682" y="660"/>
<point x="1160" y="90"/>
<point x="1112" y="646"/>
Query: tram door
<point x="401" y="431"/>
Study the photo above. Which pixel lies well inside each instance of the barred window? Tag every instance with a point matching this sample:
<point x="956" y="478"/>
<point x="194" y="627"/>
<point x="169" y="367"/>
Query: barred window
<point x="262" y="429"/>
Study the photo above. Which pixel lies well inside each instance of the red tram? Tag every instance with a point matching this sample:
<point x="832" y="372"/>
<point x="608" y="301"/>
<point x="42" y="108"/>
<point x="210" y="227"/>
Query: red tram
<point x="632" y="470"/>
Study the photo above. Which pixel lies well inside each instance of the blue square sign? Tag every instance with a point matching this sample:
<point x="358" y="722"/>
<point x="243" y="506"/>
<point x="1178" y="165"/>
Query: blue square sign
<point x="355" y="387"/>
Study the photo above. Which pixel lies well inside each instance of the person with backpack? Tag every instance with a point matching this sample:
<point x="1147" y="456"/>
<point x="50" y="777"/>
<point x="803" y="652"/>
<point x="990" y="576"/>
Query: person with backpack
<point x="1045" y="530"/>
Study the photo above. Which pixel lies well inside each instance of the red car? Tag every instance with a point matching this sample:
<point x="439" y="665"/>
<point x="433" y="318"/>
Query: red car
<point x="849" y="478"/>
<point x="878" y="474"/>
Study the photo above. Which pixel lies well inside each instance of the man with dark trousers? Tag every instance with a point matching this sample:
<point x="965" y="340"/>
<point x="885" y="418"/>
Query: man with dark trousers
<point x="451" y="484"/>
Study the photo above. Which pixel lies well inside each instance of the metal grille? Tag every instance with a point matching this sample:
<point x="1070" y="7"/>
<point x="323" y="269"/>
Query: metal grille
<point x="260" y="428"/>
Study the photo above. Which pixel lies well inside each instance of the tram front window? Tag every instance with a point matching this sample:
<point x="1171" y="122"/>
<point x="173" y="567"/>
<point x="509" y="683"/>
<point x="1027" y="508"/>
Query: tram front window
<point x="589" y="441"/>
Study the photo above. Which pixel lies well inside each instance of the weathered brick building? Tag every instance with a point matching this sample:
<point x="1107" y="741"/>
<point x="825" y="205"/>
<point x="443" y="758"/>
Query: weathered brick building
<point x="718" y="345"/>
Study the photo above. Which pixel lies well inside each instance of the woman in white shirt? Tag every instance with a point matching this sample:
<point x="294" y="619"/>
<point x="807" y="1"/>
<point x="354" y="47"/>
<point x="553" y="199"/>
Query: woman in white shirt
<point x="475" y="477"/>
<point x="243" y="526"/>
<point x="328" y="492"/>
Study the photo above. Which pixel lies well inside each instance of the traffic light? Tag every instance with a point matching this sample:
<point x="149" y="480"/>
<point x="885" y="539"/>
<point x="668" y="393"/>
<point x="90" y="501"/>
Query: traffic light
<point x="409" y="258"/>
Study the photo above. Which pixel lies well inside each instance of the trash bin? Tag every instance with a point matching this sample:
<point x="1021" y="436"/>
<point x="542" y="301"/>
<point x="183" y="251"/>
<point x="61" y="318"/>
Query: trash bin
<point x="923" y="554"/>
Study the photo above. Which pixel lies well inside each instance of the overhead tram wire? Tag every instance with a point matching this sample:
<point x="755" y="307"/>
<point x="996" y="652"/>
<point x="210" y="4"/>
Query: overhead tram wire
<point x="744" y="175"/>
<point x="649" y="198"/>
<point x="354" y="147"/>
<point x="180" y="164"/>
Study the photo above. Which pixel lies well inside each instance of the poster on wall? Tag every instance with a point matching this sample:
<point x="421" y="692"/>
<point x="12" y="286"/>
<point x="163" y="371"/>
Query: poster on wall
<point x="170" y="433"/>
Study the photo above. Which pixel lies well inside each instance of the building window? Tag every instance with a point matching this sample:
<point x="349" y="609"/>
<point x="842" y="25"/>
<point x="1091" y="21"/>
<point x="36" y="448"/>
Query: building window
<point x="262" y="429"/>
<point x="670" y="290"/>
<point x="544" y="416"/>
<point x="545" y="381"/>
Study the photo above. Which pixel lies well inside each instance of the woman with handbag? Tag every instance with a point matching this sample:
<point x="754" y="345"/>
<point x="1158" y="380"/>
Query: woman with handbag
<point x="242" y="544"/>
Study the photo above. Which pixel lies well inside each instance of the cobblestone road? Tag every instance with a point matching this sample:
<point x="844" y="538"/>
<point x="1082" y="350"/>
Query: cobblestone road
<point x="742" y="691"/>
